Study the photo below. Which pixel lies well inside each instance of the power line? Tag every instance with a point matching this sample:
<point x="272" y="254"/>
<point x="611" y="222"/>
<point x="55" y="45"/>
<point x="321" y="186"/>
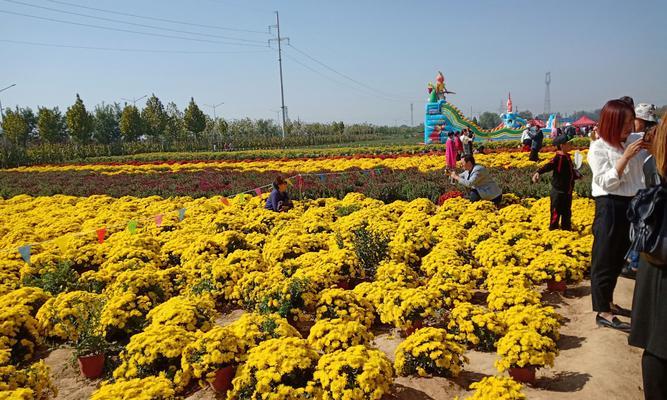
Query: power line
<point x="171" y="21"/>
<point x="131" y="50"/>
<point x="127" y="30"/>
<point x="347" y="85"/>
<point x="386" y="95"/>
<point x="133" y="23"/>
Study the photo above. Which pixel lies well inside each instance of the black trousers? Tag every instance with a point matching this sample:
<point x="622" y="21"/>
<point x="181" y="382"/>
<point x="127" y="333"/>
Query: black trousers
<point x="654" y="374"/>
<point x="611" y="241"/>
<point x="474" y="196"/>
<point x="534" y="155"/>
<point x="561" y="210"/>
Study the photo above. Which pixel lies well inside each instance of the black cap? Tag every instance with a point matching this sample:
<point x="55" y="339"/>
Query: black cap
<point x="560" y="139"/>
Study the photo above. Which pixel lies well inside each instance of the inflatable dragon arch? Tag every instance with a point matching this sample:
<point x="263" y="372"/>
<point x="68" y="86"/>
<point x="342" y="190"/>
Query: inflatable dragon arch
<point x="443" y="117"/>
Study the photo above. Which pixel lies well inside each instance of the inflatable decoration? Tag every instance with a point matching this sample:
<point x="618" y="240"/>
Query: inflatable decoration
<point x="443" y="117"/>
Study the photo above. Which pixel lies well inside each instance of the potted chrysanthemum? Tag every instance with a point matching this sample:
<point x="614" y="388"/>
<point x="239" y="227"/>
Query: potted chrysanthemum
<point x="522" y="351"/>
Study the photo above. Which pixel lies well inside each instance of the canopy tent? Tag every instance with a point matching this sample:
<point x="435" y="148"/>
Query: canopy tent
<point x="584" y="121"/>
<point x="538" y="123"/>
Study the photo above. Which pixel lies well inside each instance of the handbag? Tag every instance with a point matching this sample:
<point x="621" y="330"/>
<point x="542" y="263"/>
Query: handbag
<point x="648" y="224"/>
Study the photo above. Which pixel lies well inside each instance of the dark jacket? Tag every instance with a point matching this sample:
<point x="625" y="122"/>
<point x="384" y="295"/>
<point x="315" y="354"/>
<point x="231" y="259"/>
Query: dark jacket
<point x="276" y="200"/>
<point x="538" y="138"/>
<point x="564" y="173"/>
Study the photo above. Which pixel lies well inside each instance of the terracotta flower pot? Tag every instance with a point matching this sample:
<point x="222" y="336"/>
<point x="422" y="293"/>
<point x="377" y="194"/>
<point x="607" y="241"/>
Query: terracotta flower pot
<point x="416" y="324"/>
<point x="523" y="375"/>
<point x="223" y="379"/>
<point x="92" y="366"/>
<point x="344" y="284"/>
<point x="554" y="286"/>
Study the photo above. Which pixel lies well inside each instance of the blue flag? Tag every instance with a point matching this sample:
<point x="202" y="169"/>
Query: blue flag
<point x="181" y="214"/>
<point x="322" y="177"/>
<point x="25" y="252"/>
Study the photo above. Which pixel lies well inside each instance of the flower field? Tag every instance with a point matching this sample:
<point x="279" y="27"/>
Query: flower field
<point x="149" y="278"/>
<point x="383" y="177"/>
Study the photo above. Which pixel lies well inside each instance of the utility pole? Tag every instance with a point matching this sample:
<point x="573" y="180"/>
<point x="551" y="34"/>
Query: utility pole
<point x="412" y="114"/>
<point x="214" y="106"/>
<point x="279" y="39"/>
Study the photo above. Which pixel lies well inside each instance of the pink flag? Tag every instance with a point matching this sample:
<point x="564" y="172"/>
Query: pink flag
<point x="258" y="191"/>
<point x="158" y="220"/>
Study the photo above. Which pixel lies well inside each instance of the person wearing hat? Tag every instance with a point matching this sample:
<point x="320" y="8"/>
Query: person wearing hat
<point x="562" y="184"/>
<point x="645" y="117"/>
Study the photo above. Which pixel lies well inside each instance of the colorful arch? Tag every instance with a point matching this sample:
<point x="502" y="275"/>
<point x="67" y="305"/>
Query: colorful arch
<point x="442" y="117"/>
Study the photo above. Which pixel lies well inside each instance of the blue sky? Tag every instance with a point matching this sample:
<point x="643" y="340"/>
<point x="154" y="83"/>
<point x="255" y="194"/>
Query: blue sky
<point x="595" y="50"/>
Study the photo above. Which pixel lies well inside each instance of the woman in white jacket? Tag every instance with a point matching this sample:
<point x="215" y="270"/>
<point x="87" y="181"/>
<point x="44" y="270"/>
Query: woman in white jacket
<point x="617" y="176"/>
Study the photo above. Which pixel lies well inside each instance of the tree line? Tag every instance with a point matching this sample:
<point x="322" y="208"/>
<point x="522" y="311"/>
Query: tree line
<point x="51" y="135"/>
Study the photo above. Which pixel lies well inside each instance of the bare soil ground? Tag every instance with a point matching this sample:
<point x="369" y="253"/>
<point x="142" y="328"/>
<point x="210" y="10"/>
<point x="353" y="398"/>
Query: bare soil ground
<point x="594" y="363"/>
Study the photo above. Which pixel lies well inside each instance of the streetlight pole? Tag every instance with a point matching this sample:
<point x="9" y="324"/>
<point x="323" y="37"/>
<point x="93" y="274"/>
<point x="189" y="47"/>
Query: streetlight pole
<point x="134" y="100"/>
<point x="2" y="113"/>
<point x="214" y="106"/>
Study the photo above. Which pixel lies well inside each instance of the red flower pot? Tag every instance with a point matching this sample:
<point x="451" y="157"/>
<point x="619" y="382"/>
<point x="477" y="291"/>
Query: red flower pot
<point x="523" y="375"/>
<point x="554" y="286"/>
<point x="344" y="284"/>
<point x="417" y="324"/>
<point x="223" y="379"/>
<point x="92" y="366"/>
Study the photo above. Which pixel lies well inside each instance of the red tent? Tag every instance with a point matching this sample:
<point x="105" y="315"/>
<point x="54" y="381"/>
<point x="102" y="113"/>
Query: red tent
<point x="584" y="121"/>
<point x="538" y="123"/>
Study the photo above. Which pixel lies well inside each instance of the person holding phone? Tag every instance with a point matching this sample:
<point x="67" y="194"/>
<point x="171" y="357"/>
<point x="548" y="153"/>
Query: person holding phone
<point x="616" y="164"/>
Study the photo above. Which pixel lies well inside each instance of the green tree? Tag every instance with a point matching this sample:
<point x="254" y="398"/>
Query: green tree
<point x="489" y="120"/>
<point x="50" y="125"/>
<point x="131" y="124"/>
<point x="174" y="127"/>
<point x="15" y="128"/>
<point x="474" y="119"/>
<point x="154" y="117"/>
<point x="79" y="122"/>
<point x="194" y="118"/>
<point x="31" y="119"/>
<point x="107" y="123"/>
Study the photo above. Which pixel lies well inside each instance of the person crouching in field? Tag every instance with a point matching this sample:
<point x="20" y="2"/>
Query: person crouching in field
<point x="478" y="179"/>
<point x="278" y="200"/>
<point x="562" y="184"/>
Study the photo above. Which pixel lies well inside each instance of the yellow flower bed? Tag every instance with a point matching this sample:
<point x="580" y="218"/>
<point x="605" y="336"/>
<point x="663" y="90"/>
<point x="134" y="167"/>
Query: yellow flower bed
<point x="496" y="388"/>
<point x="253" y="329"/>
<point x="150" y="388"/>
<point x="345" y="305"/>
<point x="429" y="351"/>
<point x="60" y="315"/>
<point x="278" y="369"/>
<point x="213" y="350"/>
<point x="33" y="380"/>
<point x="159" y="284"/>
<point x="421" y="162"/>
<point x="329" y="335"/>
<point x="357" y="373"/>
<point x="473" y="325"/>
<point x="524" y="347"/>
<point x="155" y="351"/>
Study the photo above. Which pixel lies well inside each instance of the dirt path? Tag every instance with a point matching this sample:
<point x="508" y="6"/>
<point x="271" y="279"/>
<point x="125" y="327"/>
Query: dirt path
<point x="594" y="363"/>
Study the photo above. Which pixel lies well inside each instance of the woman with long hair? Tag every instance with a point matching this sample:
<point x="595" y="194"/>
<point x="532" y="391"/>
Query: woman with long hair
<point x="649" y="304"/>
<point x="617" y="177"/>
